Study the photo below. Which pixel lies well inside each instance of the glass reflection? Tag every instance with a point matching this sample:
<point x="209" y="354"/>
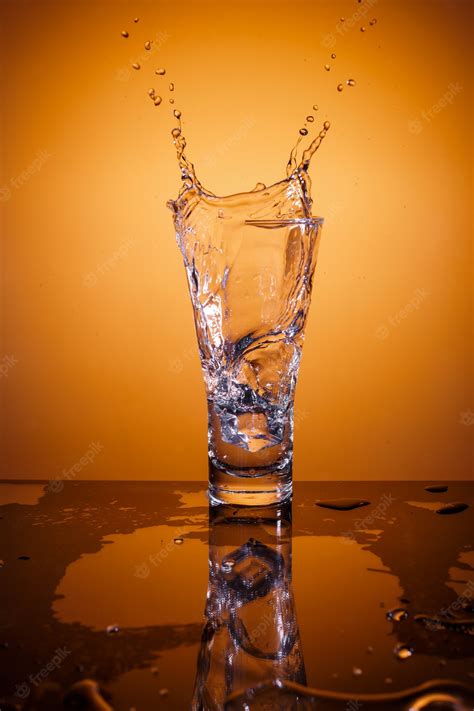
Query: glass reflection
<point x="250" y="633"/>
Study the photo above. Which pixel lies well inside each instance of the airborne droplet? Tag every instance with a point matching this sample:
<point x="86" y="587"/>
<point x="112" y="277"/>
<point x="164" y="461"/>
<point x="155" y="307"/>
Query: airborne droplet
<point x="327" y="67"/>
<point x="327" y="126"/>
<point x="333" y="56"/>
<point x="340" y="87"/>
<point x="151" y="92"/>
<point x="171" y="87"/>
<point x="304" y="131"/>
<point x="136" y="19"/>
<point x="402" y="652"/>
<point x="177" y="114"/>
<point x="160" y="71"/>
<point x="136" y="66"/>
<point x="356" y="671"/>
<point x="158" y="100"/>
<point x="362" y="29"/>
<point x="350" y="82"/>
<point x="373" y="22"/>
<point x="148" y="45"/>
<point x="315" y="107"/>
<point x="310" y="119"/>
<point x="171" y="101"/>
<point x="124" y="33"/>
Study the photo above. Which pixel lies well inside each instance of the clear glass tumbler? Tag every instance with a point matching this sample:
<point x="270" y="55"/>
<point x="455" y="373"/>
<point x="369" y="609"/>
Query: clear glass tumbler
<point x="250" y="283"/>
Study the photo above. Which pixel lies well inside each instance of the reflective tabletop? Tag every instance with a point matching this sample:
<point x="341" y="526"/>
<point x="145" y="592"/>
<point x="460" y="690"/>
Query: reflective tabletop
<point x="138" y="595"/>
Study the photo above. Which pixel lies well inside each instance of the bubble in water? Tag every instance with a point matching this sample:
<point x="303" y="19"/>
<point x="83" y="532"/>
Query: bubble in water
<point x="158" y="100"/>
<point x="362" y="29"/>
<point x="373" y="21"/>
<point x="350" y="82"/>
<point x="333" y="55"/>
<point x="304" y="131"/>
<point x="171" y="87"/>
<point x="136" y="66"/>
<point x="112" y="629"/>
<point x="340" y="87"/>
<point x="148" y="45"/>
<point x="356" y="671"/>
<point x="315" y="107"/>
<point x="310" y="119"/>
<point x="177" y="114"/>
<point x="179" y="541"/>
<point x="402" y="652"/>
<point x="327" y="67"/>
<point x="124" y="33"/>
<point x="160" y="71"/>
<point x="398" y="614"/>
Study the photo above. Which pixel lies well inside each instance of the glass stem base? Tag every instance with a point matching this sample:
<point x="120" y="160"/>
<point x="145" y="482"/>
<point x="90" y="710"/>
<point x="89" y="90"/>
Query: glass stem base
<point x="249" y="487"/>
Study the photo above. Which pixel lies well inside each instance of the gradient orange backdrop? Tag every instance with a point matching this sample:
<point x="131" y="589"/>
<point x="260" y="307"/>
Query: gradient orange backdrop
<point x="98" y="337"/>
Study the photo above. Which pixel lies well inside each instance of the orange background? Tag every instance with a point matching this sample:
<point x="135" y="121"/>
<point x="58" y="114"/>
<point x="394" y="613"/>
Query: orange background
<point x="98" y="337"/>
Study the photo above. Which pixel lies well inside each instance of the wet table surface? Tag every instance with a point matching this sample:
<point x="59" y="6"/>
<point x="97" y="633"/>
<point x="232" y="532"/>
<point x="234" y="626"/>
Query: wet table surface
<point x="145" y="590"/>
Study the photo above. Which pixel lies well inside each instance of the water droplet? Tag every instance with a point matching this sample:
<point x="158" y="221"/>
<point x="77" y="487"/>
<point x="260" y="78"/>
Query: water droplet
<point x="370" y="649"/>
<point x="373" y="21"/>
<point x="171" y="87"/>
<point x="341" y="504"/>
<point x="388" y="680"/>
<point x="333" y="55"/>
<point x="23" y="557"/>
<point x="340" y="87"/>
<point x="158" y="100"/>
<point x="304" y="131"/>
<point x="163" y="692"/>
<point x="155" y="671"/>
<point x="438" y="489"/>
<point x="160" y="71"/>
<point x="327" y="67"/>
<point x="177" y="114"/>
<point x="398" y="614"/>
<point x="327" y="126"/>
<point x="136" y="66"/>
<point x="179" y="541"/>
<point x="350" y="82"/>
<point x="136" y="19"/>
<point x="113" y="629"/>
<point x="342" y="19"/>
<point x="171" y="101"/>
<point x="147" y="45"/>
<point x="151" y="92"/>
<point x="454" y="508"/>
<point x="403" y="651"/>
<point x="310" y="119"/>
<point x="356" y="671"/>
<point x="228" y="564"/>
<point x="315" y="107"/>
<point x="124" y="33"/>
<point x="362" y="29"/>
<point x="2" y="563"/>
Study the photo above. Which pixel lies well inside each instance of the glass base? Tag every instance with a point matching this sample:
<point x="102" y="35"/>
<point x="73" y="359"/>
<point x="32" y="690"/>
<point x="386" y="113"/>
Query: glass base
<point x="249" y="487"/>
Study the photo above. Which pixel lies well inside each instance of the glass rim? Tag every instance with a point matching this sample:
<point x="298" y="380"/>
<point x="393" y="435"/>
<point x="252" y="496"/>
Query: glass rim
<point x="283" y="222"/>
